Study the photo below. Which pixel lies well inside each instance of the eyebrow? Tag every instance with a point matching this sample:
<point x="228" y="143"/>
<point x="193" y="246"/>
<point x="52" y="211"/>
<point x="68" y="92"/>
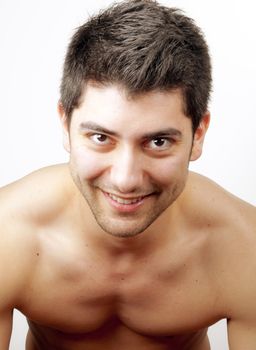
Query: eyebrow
<point x="96" y="127"/>
<point x="150" y="135"/>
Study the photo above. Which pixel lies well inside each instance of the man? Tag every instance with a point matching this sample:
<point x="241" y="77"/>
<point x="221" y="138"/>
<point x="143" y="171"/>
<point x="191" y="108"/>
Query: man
<point x="123" y="248"/>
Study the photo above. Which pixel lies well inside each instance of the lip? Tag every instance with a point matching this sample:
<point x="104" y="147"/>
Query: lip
<point x="124" y="207"/>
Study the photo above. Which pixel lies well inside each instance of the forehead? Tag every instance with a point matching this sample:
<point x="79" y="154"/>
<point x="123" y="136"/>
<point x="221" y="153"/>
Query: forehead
<point x="112" y="106"/>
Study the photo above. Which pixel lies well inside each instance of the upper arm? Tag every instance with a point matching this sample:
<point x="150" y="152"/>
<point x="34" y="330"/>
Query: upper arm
<point x="14" y="266"/>
<point x="242" y="321"/>
<point x="241" y="282"/>
<point x="5" y="328"/>
<point x="7" y="292"/>
<point x="242" y="334"/>
<point x="242" y="302"/>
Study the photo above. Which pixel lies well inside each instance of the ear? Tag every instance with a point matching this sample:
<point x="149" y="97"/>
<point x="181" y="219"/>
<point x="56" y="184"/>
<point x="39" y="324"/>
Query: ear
<point x="65" y="127"/>
<point x="199" y="135"/>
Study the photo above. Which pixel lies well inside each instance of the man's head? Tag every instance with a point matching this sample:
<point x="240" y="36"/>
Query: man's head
<point x="142" y="47"/>
<point x="134" y="109"/>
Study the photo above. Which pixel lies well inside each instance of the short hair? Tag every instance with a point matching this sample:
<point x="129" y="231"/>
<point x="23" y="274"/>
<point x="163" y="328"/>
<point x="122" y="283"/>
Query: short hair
<point x="142" y="46"/>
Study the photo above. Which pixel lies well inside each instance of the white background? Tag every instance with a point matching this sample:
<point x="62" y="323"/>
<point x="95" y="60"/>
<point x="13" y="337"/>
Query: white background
<point x="33" y="39"/>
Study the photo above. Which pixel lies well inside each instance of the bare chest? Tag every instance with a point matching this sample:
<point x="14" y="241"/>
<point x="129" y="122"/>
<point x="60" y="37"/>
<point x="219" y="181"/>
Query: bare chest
<point x="149" y="299"/>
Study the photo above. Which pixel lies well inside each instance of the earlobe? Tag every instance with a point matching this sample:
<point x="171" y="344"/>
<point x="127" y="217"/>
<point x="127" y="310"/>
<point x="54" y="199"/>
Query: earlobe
<point x="65" y="127"/>
<point x="199" y="136"/>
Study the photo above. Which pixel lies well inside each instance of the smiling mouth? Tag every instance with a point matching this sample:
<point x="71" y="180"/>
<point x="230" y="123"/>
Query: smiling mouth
<point x="125" y="201"/>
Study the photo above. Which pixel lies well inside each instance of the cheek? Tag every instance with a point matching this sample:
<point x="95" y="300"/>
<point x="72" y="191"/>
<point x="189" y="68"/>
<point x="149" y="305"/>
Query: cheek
<point x="169" y="171"/>
<point x="87" y="164"/>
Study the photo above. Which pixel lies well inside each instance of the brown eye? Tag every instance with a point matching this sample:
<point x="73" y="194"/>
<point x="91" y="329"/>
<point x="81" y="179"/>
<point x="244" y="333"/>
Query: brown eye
<point x="100" y="139"/>
<point x="159" y="144"/>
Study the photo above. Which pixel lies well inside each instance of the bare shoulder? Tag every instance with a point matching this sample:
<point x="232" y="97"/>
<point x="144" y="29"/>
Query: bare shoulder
<point x="213" y="203"/>
<point x="24" y="205"/>
<point x="229" y="221"/>
<point x="231" y="258"/>
<point x="37" y="194"/>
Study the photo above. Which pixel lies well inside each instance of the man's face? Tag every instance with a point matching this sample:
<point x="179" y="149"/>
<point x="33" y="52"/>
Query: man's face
<point x="129" y="156"/>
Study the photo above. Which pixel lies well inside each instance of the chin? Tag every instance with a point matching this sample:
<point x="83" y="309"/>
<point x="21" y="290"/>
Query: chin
<point x="122" y="230"/>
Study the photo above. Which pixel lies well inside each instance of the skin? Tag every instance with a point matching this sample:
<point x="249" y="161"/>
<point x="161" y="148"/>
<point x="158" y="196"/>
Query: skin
<point x="90" y="272"/>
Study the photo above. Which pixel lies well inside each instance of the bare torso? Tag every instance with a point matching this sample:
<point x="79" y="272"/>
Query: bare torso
<point x="77" y="295"/>
<point x="155" y="302"/>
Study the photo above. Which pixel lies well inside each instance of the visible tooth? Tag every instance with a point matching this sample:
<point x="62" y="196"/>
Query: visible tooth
<point x="124" y="201"/>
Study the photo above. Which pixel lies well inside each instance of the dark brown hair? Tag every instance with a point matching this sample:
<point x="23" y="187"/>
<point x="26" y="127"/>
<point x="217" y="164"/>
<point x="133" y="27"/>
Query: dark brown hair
<point x="141" y="46"/>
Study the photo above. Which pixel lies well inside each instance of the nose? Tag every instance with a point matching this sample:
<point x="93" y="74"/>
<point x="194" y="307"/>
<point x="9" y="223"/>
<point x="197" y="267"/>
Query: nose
<point x="127" y="171"/>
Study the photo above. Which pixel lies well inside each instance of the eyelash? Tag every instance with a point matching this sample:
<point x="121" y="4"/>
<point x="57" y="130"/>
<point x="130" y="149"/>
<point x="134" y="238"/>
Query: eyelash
<point x="93" y="136"/>
<point x="107" y="141"/>
<point x="160" y="138"/>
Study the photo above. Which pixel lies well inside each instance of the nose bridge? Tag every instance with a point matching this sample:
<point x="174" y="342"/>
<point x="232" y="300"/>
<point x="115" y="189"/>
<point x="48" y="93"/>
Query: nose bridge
<point x="127" y="169"/>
